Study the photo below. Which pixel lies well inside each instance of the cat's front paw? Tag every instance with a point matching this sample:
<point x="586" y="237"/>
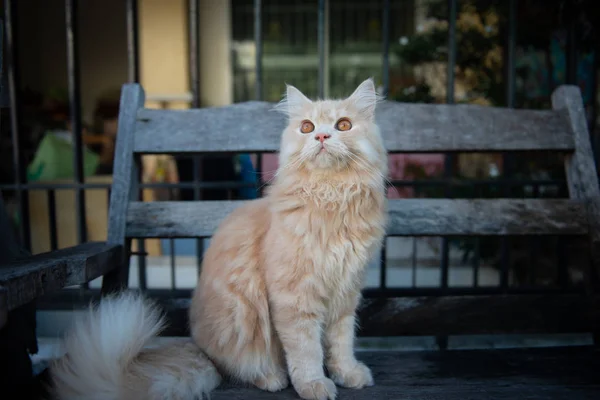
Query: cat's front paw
<point x="355" y="376"/>
<point x="319" y="389"/>
<point x="273" y="382"/>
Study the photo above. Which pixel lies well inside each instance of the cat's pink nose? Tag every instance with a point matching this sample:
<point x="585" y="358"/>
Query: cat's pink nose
<point x="321" y="137"/>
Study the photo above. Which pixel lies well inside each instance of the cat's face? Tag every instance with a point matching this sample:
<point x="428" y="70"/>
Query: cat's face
<point x="331" y="134"/>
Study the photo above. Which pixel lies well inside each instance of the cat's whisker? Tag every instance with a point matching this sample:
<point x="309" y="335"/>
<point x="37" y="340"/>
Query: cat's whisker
<point x="263" y="172"/>
<point x="372" y="171"/>
<point x="297" y="162"/>
<point x="365" y="167"/>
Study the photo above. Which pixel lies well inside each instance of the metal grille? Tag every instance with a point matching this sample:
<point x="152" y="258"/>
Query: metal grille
<point x="325" y="33"/>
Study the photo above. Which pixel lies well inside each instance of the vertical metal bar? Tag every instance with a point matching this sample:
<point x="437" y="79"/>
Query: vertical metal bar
<point x="511" y="54"/>
<point x="504" y="263"/>
<point x="326" y="51"/>
<point x="194" y="27"/>
<point x="414" y="263"/>
<point x="452" y="6"/>
<point x="72" y="33"/>
<point x="449" y="160"/>
<point x="259" y="175"/>
<point x="562" y="255"/>
<point x="172" y="262"/>
<point x="52" y="226"/>
<point x="476" y="260"/>
<point x="385" y="16"/>
<point x="258" y="43"/>
<point x="534" y="244"/>
<point x="142" y="270"/>
<point x="511" y="70"/>
<point x="10" y="15"/>
<point x="383" y="266"/>
<point x="141" y="256"/>
<point x="476" y="244"/>
<point x="445" y="263"/>
<point x="386" y="46"/>
<point x="75" y="110"/>
<point x="571" y="50"/>
<point x="321" y="46"/>
<point x="133" y="64"/>
<point x="508" y="159"/>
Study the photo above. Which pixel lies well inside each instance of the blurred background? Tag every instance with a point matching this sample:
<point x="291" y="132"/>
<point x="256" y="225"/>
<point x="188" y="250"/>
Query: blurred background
<point x="65" y="61"/>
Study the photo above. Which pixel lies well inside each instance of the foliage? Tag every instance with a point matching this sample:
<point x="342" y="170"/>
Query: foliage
<point x="419" y="93"/>
<point x="479" y="52"/>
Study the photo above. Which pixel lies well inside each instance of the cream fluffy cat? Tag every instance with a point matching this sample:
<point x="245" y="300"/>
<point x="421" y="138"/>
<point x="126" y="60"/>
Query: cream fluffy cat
<point x="280" y="282"/>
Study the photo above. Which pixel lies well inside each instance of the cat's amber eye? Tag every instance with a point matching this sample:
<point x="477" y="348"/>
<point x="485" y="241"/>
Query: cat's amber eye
<point x="307" y="127"/>
<point x="343" y="124"/>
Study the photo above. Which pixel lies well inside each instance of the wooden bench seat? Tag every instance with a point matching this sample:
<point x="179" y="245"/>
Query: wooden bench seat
<point x="410" y="128"/>
<point x="406" y="128"/>
<point x="544" y="374"/>
<point x="502" y="374"/>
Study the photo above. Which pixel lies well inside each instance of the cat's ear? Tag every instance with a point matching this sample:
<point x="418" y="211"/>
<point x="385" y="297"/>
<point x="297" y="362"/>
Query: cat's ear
<point x="365" y="98"/>
<point x="294" y="102"/>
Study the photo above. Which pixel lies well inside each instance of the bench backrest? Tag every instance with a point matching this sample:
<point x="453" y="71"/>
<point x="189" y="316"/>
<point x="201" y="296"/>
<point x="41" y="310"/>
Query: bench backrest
<point x="406" y="128"/>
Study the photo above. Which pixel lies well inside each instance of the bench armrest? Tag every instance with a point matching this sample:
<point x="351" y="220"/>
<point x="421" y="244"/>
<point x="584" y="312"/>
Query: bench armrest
<point x="28" y="278"/>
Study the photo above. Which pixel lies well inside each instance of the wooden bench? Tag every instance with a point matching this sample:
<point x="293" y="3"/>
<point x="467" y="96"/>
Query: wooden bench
<point x="413" y="128"/>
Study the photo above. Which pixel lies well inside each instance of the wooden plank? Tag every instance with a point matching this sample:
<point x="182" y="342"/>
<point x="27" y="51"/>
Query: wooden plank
<point x="582" y="176"/>
<point x="27" y="278"/>
<point x="132" y="99"/>
<point x="424" y="315"/>
<point x="451" y="315"/>
<point x="406" y="127"/>
<point x="407" y="217"/>
<point x="482" y="314"/>
<point x="500" y="374"/>
<point x="3" y="306"/>
<point x="124" y="181"/>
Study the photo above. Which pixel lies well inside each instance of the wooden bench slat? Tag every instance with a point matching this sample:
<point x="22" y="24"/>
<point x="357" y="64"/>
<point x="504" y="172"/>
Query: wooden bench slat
<point x="253" y="126"/>
<point x="479" y="314"/>
<point x="125" y="181"/>
<point x="423" y="315"/>
<point x="450" y="315"/>
<point x="581" y="170"/>
<point x="497" y="374"/>
<point x="407" y="217"/>
<point x="28" y="278"/>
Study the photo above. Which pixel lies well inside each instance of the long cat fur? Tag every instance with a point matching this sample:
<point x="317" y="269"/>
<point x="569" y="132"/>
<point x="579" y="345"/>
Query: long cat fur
<point x="280" y="281"/>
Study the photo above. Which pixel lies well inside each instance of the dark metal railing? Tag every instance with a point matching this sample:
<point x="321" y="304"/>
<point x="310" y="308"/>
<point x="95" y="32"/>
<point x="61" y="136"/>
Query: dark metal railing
<point x="11" y="53"/>
<point x="73" y="72"/>
<point x="508" y="182"/>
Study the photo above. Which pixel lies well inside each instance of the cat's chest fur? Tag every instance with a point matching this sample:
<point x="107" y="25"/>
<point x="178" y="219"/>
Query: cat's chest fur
<point x="336" y="226"/>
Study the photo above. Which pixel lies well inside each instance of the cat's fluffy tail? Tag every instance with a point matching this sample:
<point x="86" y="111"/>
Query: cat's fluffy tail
<point x="107" y="357"/>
